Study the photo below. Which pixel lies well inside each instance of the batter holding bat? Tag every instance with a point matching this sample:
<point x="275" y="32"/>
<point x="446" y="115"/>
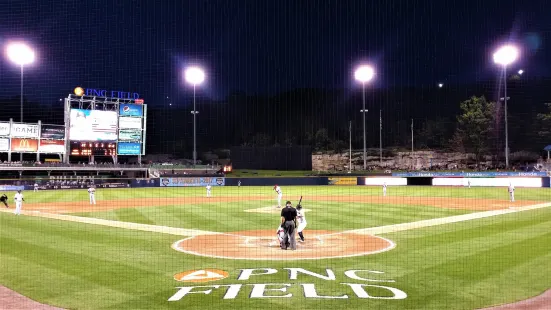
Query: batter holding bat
<point x="301" y="219"/>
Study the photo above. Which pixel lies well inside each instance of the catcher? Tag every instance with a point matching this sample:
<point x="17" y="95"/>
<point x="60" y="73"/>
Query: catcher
<point x="4" y="200"/>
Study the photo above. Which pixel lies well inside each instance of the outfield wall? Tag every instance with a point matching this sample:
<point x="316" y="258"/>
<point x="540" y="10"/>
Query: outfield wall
<point x="517" y="179"/>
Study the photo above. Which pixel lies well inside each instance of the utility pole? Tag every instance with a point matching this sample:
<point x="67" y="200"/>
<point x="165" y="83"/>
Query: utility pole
<point x="412" y="164"/>
<point x="380" y="137"/>
<point x="349" y="146"/>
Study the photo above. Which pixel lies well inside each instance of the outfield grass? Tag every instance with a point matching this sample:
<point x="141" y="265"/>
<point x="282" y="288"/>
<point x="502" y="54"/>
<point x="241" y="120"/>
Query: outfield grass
<point x="289" y="192"/>
<point x="465" y="265"/>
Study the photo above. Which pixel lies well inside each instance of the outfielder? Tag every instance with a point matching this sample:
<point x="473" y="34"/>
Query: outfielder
<point x="35" y="187"/>
<point x="208" y="190"/>
<point x="277" y="189"/>
<point x="384" y="189"/>
<point x="92" y="194"/>
<point x="512" y="192"/>
<point x="301" y="220"/>
<point x="18" y="202"/>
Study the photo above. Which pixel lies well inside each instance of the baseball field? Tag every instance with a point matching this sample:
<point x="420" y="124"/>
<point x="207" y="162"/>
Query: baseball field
<point x="152" y="248"/>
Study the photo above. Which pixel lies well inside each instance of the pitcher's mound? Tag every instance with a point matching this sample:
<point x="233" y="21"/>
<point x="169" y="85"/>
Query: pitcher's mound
<point x="263" y="245"/>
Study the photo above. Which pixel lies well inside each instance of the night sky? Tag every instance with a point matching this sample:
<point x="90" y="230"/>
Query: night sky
<point x="264" y="47"/>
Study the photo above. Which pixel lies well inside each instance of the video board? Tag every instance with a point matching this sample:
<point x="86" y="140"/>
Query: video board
<point x="93" y="125"/>
<point x="129" y="148"/>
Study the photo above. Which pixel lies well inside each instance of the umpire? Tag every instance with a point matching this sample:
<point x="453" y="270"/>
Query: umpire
<point x="288" y="222"/>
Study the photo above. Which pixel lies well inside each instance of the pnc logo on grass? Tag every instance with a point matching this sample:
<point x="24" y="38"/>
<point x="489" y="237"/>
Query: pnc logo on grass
<point x="203" y="275"/>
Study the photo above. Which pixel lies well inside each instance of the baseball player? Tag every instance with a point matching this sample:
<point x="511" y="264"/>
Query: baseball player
<point x="92" y="194"/>
<point x="239" y="183"/>
<point x="208" y="190"/>
<point x="18" y="202"/>
<point x="277" y="189"/>
<point x="4" y="200"/>
<point x="301" y="220"/>
<point x="384" y="189"/>
<point x="35" y="187"/>
<point x="280" y="236"/>
<point x="469" y="183"/>
<point x="512" y="192"/>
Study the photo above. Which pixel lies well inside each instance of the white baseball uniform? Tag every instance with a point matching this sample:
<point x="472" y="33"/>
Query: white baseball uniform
<point x="92" y="194"/>
<point x="512" y="192"/>
<point x="208" y="190"/>
<point x="384" y="189"/>
<point x="18" y="203"/>
<point x="469" y="183"/>
<point x="35" y="187"/>
<point x="280" y="234"/>
<point x="301" y="220"/>
<point x="279" y="195"/>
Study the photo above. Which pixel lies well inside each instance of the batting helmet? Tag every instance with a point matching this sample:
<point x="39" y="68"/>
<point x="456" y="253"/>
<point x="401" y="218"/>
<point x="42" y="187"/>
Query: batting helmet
<point x="299" y="207"/>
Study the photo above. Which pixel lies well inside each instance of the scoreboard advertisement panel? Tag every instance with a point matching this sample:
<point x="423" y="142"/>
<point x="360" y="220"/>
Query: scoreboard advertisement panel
<point x="93" y="125"/>
<point x="52" y="132"/>
<point x="130" y="123"/>
<point x="24" y="130"/>
<point x="130" y="135"/>
<point x="4" y="144"/>
<point x="129" y="148"/>
<point x="4" y="129"/>
<point x="135" y="110"/>
<point x="24" y="145"/>
<point x="52" y="146"/>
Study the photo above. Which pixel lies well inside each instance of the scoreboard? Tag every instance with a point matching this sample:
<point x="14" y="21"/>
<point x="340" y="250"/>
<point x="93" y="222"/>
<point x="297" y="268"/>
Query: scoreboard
<point x="93" y="148"/>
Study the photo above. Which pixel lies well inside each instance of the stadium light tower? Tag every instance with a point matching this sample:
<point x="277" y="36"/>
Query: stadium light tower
<point x="364" y="74"/>
<point x="194" y="76"/>
<point x="20" y="54"/>
<point x="505" y="56"/>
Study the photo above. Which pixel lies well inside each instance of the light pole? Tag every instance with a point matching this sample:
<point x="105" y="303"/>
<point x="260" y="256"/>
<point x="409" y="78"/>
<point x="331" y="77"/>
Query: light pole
<point x="350" y="147"/>
<point x="364" y="74"/>
<point x="194" y="76"/>
<point x="20" y="54"/>
<point x="505" y="56"/>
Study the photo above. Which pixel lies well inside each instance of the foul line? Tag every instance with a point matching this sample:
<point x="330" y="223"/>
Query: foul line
<point x="438" y="221"/>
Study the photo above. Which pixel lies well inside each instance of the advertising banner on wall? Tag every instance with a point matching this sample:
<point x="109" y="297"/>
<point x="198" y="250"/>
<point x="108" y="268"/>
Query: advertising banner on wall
<point x="4" y="144"/>
<point x="131" y="110"/>
<point x="469" y="174"/>
<point x="130" y="123"/>
<point x="130" y="135"/>
<point x="129" y="148"/>
<point x="24" y="145"/>
<point x="185" y="182"/>
<point x="51" y="146"/>
<point x="52" y="132"/>
<point x="4" y="129"/>
<point x="24" y="130"/>
<point x="343" y="181"/>
<point x="93" y="125"/>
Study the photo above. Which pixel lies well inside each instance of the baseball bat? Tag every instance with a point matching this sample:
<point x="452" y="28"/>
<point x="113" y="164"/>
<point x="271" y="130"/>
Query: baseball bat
<point x="300" y="201"/>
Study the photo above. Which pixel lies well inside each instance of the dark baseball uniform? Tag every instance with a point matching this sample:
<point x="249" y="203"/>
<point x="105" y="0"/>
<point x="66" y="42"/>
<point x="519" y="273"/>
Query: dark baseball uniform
<point x="290" y="214"/>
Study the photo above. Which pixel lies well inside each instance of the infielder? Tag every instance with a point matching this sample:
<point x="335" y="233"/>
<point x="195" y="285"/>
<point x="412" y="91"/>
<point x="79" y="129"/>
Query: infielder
<point x="277" y="189"/>
<point x="301" y="220"/>
<point x="208" y="190"/>
<point x="384" y="189"/>
<point x="18" y="202"/>
<point x="35" y="187"/>
<point x="92" y="194"/>
<point x="512" y="192"/>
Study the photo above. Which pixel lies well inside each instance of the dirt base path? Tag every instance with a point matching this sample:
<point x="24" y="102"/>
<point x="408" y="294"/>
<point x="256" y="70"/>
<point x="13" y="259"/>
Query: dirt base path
<point x="263" y="245"/>
<point x="11" y="300"/>
<point x="440" y="202"/>
<point x="541" y="302"/>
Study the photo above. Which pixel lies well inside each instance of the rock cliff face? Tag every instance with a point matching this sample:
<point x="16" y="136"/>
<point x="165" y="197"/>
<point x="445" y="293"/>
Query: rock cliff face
<point x="398" y="161"/>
